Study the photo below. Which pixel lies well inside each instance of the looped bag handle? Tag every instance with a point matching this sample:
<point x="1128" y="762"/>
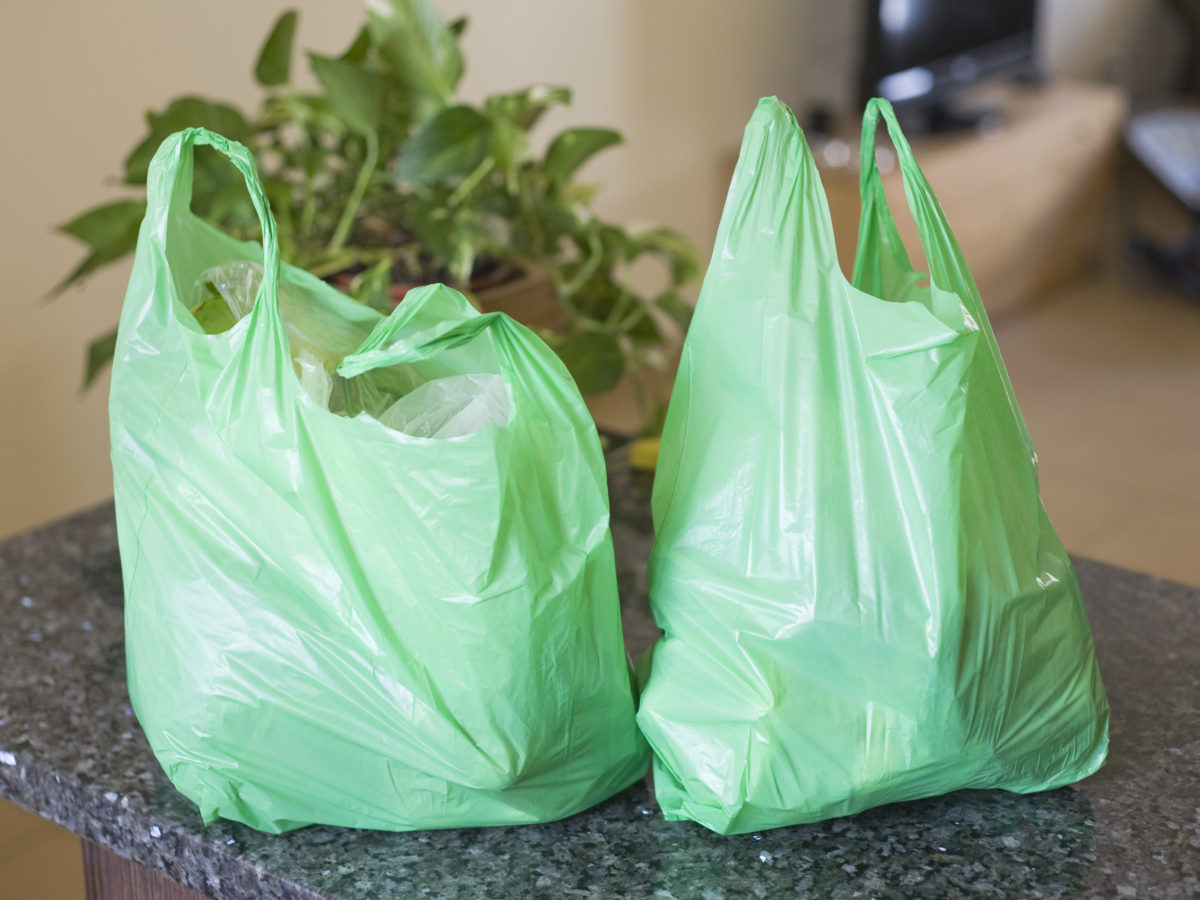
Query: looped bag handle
<point x="947" y="268"/>
<point x="169" y="193"/>
<point x="411" y="333"/>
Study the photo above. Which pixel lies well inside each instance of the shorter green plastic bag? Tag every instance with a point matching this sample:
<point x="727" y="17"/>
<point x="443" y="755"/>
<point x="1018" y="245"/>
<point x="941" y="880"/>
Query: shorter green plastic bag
<point x="862" y="598"/>
<point x="330" y="620"/>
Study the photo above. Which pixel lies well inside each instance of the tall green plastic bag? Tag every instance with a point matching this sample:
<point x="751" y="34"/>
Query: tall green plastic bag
<point x="331" y="621"/>
<point x="862" y="598"/>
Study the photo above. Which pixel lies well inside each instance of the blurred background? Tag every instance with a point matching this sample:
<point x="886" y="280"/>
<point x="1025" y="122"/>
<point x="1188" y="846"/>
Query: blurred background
<point x="1104" y="351"/>
<point x="679" y="79"/>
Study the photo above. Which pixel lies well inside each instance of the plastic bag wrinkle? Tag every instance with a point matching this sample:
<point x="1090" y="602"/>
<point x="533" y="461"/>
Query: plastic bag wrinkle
<point x="438" y="409"/>
<point x="862" y="600"/>
<point x="321" y="554"/>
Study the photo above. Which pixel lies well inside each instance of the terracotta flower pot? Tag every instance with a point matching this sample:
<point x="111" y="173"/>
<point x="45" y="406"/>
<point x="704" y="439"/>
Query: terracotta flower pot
<point x="530" y="298"/>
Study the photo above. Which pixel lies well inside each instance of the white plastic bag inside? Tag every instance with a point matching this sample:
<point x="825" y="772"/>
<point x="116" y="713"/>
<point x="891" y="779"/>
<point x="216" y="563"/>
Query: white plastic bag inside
<point x="450" y="407"/>
<point x="314" y="378"/>
<point x="237" y="283"/>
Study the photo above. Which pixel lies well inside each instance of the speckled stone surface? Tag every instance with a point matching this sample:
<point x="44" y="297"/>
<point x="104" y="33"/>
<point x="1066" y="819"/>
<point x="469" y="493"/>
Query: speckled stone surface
<point x="70" y="750"/>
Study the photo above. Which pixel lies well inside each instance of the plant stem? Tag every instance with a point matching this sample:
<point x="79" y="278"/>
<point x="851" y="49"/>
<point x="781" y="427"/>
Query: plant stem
<point x="360" y="187"/>
<point x="528" y="203"/>
<point x="331" y="265"/>
<point x="327" y="264"/>
<point x="309" y="212"/>
<point x="639" y="313"/>
<point x="589" y="265"/>
<point x="624" y="298"/>
<point x="468" y="184"/>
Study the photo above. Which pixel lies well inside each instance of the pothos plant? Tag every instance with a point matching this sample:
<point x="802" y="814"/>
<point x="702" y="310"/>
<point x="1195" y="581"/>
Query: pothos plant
<point x="384" y="174"/>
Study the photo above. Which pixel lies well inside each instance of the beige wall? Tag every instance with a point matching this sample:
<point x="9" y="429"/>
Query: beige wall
<point x="1134" y="43"/>
<point x="679" y="77"/>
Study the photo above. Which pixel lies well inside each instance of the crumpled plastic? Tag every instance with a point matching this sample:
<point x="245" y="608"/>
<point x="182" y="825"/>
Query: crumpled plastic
<point x="450" y="407"/>
<point x="236" y="283"/>
<point x="443" y="408"/>
<point x="314" y="377"/>
<point x="327" y="620"/>
<point x="862" y="598"/>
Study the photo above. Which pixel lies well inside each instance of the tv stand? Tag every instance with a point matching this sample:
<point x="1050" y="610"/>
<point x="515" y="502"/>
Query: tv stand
<point x="949" y="116"/>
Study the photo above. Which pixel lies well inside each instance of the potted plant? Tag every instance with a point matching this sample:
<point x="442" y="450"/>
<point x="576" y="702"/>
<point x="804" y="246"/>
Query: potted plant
<point x="383" y="178"/>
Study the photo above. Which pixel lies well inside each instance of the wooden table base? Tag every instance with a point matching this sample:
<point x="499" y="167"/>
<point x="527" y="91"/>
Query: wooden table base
<point x="107" y="876"/>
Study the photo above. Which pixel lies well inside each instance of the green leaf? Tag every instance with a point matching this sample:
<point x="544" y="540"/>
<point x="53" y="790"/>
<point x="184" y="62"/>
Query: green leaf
<point x="184" y="112"/>
<point x="678" y="309"/>
<point x="595" y="360"/>
<point x="309" y="114"/>
<point x="524" y="108"/>
<point x="508" y="146"/>
<point x="573" y="148"/>
<point x="421" y="49"/>
<point x="213" y="313"/>
<point x="452" y="236"/>
<point x="102" y="225"/>
<point x="274" y="66"/>
<point x="679" y="253"/>
<point x="95" y="260"/>
<point x="617" y="243"/>
<point x="373" y="287"/>
<point x="111" y="231"/>
<point x="455" y="244"/>
<point x="579" y="194"/>
<point x="222" y="198"/>
<point x="354" y="91"/>
<point x="99" y="354"/>
<point x="642" y="329"/>
<point x="357" y="51"/>
<point x="461" y="260"/>
<point x="453" y="142"/>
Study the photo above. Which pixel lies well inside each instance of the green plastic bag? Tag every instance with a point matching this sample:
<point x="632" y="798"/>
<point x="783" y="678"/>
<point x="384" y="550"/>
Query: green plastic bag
<point x="862" y="598"/>
<point x="330" y="620"/>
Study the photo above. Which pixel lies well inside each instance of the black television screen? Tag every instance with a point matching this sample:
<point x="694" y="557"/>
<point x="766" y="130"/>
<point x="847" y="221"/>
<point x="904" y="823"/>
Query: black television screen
<point x="921" y="52"/>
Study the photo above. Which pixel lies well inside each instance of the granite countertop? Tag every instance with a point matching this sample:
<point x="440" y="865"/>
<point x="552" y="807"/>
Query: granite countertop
<point x="71" y="751"/>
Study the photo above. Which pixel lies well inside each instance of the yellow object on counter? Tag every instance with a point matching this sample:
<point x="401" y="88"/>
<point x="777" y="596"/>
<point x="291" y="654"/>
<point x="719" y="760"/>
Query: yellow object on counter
<point x="643" y="455"/>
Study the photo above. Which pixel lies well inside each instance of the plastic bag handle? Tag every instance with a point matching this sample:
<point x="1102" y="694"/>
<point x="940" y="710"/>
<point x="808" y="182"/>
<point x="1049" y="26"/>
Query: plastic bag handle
<point x="947" y="268"/>
<point x="165" y="193"/>
<point x="529" y="367"/>
<point x="425" y="346"/>
<point x="776" y="181"/>
<point x="399" y="339"/>
<point x="415" y="330"/>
